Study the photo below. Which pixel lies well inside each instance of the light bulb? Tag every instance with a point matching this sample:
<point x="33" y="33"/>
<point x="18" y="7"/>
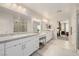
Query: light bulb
<point x="35" y="19"/>
<point x="24" y="9"/>
<point x="19" y="7"/>
<point x="14" y="6"/>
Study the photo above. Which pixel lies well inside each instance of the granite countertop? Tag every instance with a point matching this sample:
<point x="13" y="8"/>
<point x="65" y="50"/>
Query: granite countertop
<point x="15" y="36"/>
<point x="10" y="37"/>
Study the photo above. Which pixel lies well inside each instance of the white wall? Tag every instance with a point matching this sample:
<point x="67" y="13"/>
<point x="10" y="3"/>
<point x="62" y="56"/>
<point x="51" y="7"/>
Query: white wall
<point x="6" y="23"/>
<point x="73" y="24"/>
<point x="54" y="24"/>
<point x="29" y="25"/>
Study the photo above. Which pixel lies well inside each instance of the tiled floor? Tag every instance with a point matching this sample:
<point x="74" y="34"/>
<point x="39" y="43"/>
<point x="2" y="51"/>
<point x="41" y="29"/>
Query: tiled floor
<point x="57" y="47"/>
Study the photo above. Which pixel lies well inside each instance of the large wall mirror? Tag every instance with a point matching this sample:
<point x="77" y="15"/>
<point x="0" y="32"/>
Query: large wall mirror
<point x="20" y="24"/>
<point x="36" y="26"/>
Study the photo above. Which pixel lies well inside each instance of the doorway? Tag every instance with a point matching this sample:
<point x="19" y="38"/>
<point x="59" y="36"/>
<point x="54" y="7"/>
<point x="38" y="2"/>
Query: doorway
<point x="63" y="29"/>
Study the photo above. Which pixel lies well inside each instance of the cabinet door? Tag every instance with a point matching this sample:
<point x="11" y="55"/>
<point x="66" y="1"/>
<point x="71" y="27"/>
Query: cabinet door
<point x="1" y="52"/>
<point x="1" y="49"/>
<point x="47" y="37"/>
<point x="51" y="35"/>
<point x="28" y="46"/>
<point x="36" y="43"/>
<point x="13" y="48"/>
<point x="25" y="46"/>
<point x="14" y="51"/>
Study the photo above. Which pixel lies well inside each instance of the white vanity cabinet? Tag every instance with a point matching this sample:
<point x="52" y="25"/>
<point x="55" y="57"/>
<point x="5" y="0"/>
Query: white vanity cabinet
<point x="49" y="36"/>
<point x="24" y="46"/>
<point x="1" y="49"/>
<point x="13" y="48"/>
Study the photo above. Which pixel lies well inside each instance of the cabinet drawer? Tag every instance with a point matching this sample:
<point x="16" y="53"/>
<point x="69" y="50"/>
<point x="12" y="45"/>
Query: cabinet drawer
<point x="13" y="43"/>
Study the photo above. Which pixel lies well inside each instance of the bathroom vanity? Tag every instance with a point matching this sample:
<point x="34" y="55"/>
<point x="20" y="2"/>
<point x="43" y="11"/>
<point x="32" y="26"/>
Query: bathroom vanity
<point x="22" y="44"/>
<point x="19" y="45"/>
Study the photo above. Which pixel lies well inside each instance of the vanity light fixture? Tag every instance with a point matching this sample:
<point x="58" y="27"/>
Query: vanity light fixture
<point x="21" y="9"/>
<point x="15" y="7"/>
<point x="45" y="20"/>
<point x="35" y="19"/>
<point x="7" y="5"/>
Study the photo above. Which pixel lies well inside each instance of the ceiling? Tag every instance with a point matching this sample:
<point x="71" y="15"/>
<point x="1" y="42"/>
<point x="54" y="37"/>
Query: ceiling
<point x="51" y="10"/>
